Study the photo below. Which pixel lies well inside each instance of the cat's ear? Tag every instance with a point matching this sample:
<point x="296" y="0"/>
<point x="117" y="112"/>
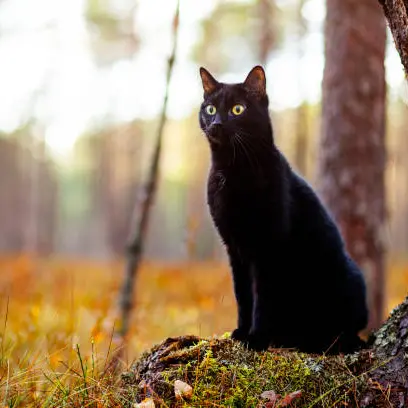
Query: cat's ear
<point x="210" y="84"/>
<point x="256" y="81"/>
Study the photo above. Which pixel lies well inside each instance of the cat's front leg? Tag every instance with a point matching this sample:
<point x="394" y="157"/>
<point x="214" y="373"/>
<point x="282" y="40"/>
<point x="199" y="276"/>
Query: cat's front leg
<point x="263" y="320"/>
<point x="241" y="275"/>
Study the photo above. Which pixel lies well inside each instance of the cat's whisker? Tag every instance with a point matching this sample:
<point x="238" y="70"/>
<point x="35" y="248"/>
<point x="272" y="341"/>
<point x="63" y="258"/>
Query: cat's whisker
<point x="250" y="154"/>
<point x="234" y="150"/>
<point x="262" y="141"/>
<point x="253" y="162"/>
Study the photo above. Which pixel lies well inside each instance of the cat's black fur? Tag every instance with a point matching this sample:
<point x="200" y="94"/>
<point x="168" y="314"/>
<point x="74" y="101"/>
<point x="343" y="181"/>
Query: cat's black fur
<point x="294" y="282"/>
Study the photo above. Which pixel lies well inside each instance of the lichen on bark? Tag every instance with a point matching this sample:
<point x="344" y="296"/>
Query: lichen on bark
<point x="390" y="351"/>
<point x="396" y="12"/>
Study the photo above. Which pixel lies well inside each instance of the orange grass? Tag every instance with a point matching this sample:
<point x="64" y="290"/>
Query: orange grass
<point x="54" y="313"/>
<point x="57" y="319"/>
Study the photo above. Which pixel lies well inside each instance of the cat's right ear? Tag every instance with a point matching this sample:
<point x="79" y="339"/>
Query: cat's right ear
<point x="256" y="82"/>
<point x="210" y="84"/>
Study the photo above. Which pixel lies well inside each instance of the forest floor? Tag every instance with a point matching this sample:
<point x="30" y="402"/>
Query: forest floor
<point x="57" y="318"/>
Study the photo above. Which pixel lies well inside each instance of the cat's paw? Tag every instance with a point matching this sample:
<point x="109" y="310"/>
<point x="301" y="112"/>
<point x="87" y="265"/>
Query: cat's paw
<point x="240" y="334"/>
<point x="257" y="342"/>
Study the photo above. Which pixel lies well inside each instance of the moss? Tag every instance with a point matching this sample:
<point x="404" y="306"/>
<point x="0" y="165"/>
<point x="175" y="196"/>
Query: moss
<point x="225" y="374"/>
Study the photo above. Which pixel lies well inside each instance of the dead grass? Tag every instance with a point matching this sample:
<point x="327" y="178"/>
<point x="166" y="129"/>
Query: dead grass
<point x="57" y="318"/>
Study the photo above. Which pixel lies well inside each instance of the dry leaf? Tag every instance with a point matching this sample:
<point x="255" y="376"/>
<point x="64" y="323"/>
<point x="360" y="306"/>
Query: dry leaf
<point x="272" y="398"/>
<point x="146" y="403"/>
<point x="288" y="399"/>
<point x="270" y="395"/>
<point x="182" y="390"/>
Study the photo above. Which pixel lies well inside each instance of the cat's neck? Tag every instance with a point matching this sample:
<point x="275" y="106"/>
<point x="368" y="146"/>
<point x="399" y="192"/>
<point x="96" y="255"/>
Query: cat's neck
<point x="244" y="160"/>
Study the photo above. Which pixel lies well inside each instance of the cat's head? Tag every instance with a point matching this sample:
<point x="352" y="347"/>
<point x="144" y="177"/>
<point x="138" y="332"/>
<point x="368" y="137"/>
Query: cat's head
<point x="231" y="113"/>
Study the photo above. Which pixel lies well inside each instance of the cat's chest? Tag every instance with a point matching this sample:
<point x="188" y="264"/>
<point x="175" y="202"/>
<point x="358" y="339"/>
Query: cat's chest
<point x="232" y="198"/>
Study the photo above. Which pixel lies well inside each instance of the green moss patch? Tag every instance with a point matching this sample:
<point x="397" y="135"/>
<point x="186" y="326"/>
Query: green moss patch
<point x="223" y="373"/>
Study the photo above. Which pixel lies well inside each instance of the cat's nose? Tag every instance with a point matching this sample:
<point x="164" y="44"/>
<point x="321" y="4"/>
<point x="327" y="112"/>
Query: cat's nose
<point x="216" y="129"/>
<point x="217" y="120"/>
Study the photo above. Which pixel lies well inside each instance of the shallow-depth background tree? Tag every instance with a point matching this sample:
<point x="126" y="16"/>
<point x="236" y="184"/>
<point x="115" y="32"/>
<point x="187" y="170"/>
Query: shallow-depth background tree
<point x="301" y="141"/>
<point x="266" y="11"/>
<point x="142" y="210"/>
<point x="352" y="160"/>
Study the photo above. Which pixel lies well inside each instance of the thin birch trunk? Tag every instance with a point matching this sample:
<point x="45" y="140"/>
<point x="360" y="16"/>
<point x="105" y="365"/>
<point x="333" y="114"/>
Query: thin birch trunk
<point x="139" y="226"/>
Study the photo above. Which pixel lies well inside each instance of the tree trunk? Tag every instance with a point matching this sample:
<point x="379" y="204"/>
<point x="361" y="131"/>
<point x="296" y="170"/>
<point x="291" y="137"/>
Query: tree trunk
<point x="352" y="155"/>
<point x="396" y="12"/>
<point x="389" y="368"/>
<point x="266" y="11"/>
<point x="138" y="228"/>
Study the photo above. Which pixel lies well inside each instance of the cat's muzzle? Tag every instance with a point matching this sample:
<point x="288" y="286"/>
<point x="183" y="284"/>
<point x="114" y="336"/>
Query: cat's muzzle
<point x="215" y="133"/>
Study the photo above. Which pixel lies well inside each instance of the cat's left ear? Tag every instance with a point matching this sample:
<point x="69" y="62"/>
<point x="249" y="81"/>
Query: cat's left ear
<point x="256" y="81"/>
<point x="210" y="84"/>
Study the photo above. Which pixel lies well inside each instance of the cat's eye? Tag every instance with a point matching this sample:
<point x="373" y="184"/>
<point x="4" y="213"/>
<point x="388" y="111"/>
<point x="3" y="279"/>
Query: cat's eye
<point x="238" y="109"/>
<point x="210" y="109"/>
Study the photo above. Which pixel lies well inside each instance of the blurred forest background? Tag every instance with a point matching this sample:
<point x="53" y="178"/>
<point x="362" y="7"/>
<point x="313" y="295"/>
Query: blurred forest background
<point x="82" y="85"/>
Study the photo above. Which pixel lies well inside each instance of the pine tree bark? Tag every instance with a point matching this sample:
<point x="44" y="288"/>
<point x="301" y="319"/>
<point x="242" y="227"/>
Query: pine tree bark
<point x="352" y="155"/>
<point x="388" y="363"/>
<point x="396" y="12"/>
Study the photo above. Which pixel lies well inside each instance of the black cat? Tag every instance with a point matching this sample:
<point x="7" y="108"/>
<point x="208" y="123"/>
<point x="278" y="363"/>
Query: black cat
<point x="294" y="282"/>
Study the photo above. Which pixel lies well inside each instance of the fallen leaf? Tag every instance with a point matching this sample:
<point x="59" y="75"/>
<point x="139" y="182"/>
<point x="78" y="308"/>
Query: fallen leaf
<point x="182" y="390"/>
<point x="272" y="398"/>
<point x="146" y="403"/>
<point x="288" y="399"/>
<point x="270" y="395"/>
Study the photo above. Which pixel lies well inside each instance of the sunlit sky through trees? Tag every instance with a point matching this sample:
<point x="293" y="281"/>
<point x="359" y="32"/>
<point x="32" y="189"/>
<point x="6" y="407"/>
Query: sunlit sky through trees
<point x="48" y="70"/>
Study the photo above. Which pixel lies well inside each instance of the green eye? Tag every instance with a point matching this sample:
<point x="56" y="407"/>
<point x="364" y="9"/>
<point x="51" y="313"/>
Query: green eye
<point x="210" y="109"/>
<point x="238" y="109"/>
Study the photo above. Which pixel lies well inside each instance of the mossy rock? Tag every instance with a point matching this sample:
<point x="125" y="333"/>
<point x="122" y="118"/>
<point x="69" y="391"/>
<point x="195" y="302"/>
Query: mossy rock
<point x="223" y="373"/>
